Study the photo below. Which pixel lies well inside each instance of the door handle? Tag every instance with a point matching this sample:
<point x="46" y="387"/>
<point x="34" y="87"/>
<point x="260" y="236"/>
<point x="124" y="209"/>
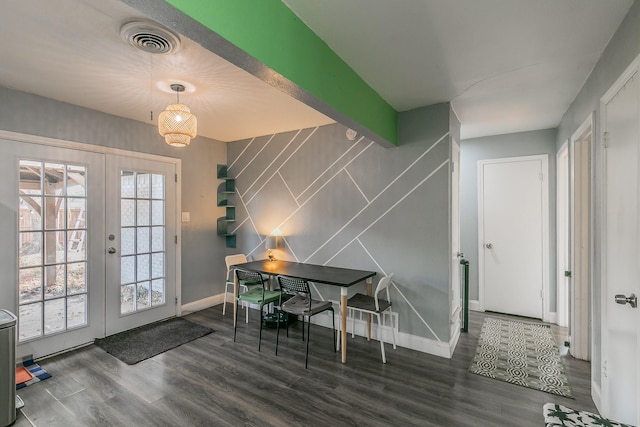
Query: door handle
<point x="488" y="246"/>
<point x="111" y="250"/>
<point x="632" y="300"/>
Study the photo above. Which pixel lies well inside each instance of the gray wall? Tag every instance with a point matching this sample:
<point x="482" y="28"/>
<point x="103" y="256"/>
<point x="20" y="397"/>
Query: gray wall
<point x="494" y="147"/>
<point x="623" y="48"/>
<point x="202" y="252"/>
<point x="356" y="204"/>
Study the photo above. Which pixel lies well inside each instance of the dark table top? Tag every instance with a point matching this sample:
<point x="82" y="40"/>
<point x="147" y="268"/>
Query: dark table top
<point x="335" y="276"/>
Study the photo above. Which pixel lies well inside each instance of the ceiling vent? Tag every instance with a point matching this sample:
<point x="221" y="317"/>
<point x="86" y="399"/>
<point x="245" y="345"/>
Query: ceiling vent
<point x="149" y="37"/>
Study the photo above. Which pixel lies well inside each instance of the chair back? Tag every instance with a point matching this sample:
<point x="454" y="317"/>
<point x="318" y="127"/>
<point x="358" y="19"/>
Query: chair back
<point x="383" y="285"/>
<point x="249" y="278"/>
<point x="291" y="285"/>
<point x="231" y="260"/>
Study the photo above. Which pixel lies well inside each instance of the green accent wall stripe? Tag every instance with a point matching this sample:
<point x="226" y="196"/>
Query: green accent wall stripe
<point x="275" y="36"/>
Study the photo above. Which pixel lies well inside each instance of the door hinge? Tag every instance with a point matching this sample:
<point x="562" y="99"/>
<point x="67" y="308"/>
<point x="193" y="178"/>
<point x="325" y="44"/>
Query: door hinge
<point x="605" y="139"/>
<point x="176" y="300"/>
<point x="176" y="236"/>
<point x="567" y="274"/>
<point x="176" y="178"/>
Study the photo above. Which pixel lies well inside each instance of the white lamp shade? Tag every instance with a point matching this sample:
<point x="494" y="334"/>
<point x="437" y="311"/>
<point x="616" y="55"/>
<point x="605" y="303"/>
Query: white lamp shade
<point x="272" y="242"/>
<point x="177" y="125"/>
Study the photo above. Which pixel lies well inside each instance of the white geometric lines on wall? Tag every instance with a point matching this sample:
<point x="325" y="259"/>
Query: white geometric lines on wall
<point x="281" y="165"/>
<point x="265" y="169"/>
<point x="241" y="153"/>
<point x="357" y="186"/>
<point x="369" y="203"/>
<point x="288" y="188"/>
<point x="395" y="286"/>
<point x="327" y="182"/>
<point x="255" y="156"/>
<point x="332" y="165"/>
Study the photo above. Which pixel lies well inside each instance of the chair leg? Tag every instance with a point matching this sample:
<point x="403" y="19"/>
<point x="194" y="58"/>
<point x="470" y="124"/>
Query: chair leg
<point x="303" y="326"/>
<point x="384" y="357"/>
<point x="235" y="323"/>
<point x="277" y="331"/>
<point x="333" y="319"/>
<point x="260" y="335"/>
<point x="393" y="330"/>
<point x="246" y="309"/>
<point x="306" y="356"/>
<point x="353" y="323"/>
<point x="224" y="302"/>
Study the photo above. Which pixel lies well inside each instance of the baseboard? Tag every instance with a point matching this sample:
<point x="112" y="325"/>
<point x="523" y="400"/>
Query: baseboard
<point x="474" y="305"/>
<point x="413" y="342"/>
<point x="595" y="395"/>
<point x="552" y="317"/>
<point x="201" y="304"/>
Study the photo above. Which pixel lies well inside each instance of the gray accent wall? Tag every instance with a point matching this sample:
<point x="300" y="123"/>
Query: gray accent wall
<point x="203" y="254"/>
<point x="356" y="204"/>
<point x="495" y="147"/>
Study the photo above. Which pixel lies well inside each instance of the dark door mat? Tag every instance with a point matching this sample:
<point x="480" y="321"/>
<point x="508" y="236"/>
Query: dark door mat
<point x="141" y="343"/>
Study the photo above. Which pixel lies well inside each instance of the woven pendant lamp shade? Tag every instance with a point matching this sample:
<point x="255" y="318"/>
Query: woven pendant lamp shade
<point x="177" y="125"/>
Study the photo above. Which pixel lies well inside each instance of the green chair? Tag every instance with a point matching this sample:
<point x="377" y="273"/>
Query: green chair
<point x="257" y="295"/>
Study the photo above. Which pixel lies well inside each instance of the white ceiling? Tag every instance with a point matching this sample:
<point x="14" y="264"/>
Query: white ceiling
<point x="506" y="65"/>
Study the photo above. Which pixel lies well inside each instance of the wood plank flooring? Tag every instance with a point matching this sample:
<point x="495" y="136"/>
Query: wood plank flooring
<point x="213" y="381"/>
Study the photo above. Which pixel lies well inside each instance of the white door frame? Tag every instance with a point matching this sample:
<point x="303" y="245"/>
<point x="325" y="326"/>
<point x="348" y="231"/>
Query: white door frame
<point x="562" y="235"/>
<point x="580" y="313"/>
<point x="34" y="139"/>
<point x="546" y="315"/>
<point x="454" y="276"/>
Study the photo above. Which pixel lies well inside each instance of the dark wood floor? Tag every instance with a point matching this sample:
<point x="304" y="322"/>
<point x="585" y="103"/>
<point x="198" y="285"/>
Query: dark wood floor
<point x="213" y="381"/>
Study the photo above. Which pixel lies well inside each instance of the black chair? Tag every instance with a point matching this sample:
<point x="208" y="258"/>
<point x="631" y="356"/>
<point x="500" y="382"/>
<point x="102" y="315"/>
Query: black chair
<point x="255" y="295"/>
<point x="301" y="304"/>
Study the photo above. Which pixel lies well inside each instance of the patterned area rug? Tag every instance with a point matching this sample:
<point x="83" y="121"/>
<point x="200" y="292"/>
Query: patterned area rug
<point x="561" y="416"/>
<point x="520" y="353"/>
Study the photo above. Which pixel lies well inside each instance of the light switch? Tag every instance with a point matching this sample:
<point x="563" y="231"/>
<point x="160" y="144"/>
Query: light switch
<point x="186" y="216"/>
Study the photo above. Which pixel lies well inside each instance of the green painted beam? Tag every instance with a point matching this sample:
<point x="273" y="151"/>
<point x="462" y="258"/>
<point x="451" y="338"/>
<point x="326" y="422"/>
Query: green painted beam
<point x="271" y="33"/>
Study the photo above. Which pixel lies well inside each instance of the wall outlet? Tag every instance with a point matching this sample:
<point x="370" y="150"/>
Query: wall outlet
<point x="186" y="216"/>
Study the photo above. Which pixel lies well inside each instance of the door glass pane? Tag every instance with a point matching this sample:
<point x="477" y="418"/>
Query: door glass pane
<point x="142" y="247"/>
<point x="52" y="264"/>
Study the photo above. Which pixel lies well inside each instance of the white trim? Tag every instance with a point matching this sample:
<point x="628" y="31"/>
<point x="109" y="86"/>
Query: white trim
<point x="562" y="239"/>
<point x="201" y="304"/>
<point x="544" y="159"/>
<point x="553" y="317"/>
<point x="596" y="395"/>
<point x="579" y="336"/>
<point x="474" y="305"/>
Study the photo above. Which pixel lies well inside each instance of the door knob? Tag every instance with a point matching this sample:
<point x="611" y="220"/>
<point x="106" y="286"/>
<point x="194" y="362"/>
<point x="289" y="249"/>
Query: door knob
<point x="488" y="246"/>
<point x="632" y="300"/>
<point x="112" y="250"/>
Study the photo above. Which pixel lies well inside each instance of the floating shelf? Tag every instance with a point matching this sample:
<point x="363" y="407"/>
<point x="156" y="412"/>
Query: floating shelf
<point x="226" y="190"/>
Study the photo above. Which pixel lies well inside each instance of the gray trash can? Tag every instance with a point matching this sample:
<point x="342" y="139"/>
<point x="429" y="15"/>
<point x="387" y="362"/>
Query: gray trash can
<point x="7" y="368"/>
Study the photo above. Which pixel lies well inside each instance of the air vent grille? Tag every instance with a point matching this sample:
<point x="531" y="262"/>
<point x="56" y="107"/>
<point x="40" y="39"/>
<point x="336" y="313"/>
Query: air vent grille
<point x="149" y="37"/>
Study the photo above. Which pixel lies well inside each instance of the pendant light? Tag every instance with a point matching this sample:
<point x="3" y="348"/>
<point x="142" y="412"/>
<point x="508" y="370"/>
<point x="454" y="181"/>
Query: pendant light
<point x="176" y="123"/>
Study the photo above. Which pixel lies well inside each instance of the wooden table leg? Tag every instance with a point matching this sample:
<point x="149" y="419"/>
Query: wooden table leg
<point x="343" y="322"/>
<point x="369" y="315"/>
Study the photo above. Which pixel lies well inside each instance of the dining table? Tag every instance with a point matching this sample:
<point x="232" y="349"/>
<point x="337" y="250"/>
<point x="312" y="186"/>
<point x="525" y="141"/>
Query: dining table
<point x="333" y="276"/>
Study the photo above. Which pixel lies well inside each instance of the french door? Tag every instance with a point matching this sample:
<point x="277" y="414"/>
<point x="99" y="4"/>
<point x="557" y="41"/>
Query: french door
<point x="141" y="242"/>
<point x="62" y="212"/>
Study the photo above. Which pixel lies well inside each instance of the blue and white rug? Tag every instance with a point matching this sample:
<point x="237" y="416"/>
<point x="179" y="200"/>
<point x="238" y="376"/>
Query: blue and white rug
<point x="520" y="353"/>
<point x="37" y="374"/>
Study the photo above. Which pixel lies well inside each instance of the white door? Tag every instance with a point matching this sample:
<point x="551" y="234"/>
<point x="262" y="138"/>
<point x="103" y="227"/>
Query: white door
<point x="455" y="235"/>
<point x="141" y="242"/>
<point x="52" y="203"/>
<point x="511" y="255"/>
<point x="621" y="252"/>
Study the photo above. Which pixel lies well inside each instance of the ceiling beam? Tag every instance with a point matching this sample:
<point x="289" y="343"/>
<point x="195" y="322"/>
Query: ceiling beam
<point x="267" y="39"/>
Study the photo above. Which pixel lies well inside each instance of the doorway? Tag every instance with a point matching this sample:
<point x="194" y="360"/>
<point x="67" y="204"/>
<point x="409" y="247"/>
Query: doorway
<point x="64" y="205"/>
<point x="513" y="218"/>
